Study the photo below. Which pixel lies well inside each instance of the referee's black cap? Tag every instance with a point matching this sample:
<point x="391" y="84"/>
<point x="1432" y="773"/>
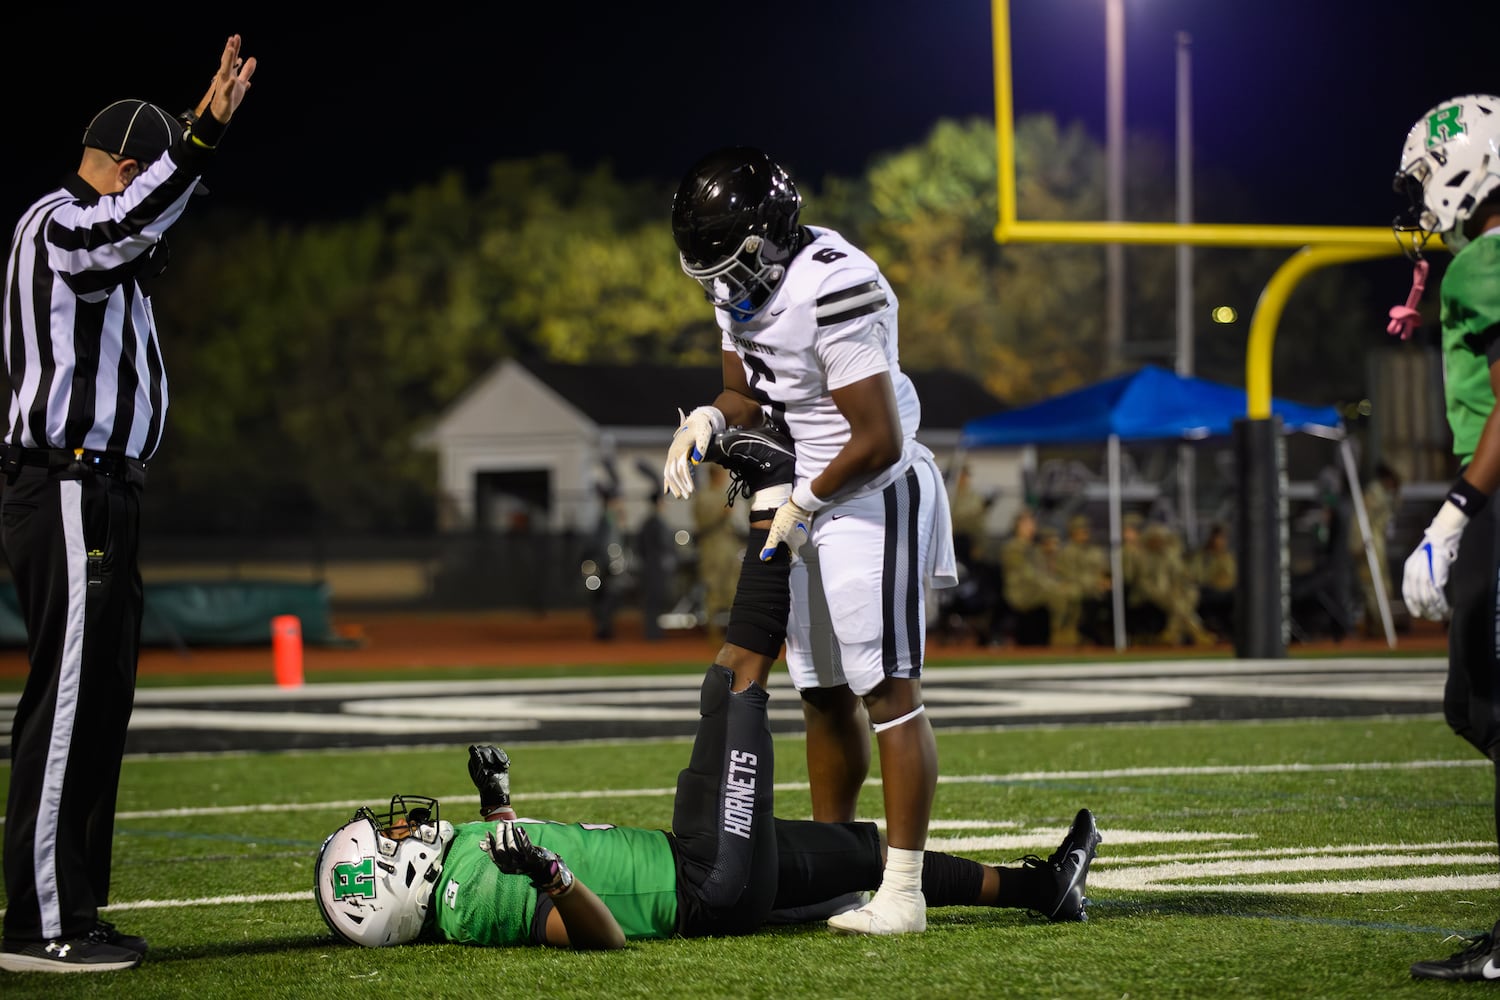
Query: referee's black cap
<point x="135" y="129"/>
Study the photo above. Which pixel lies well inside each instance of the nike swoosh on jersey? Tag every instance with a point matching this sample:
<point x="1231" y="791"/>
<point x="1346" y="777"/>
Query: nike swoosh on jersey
<point x="850" y="303"/>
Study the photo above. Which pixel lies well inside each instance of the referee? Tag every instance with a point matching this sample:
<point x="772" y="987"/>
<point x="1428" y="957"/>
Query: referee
<point x="88" y="395"/>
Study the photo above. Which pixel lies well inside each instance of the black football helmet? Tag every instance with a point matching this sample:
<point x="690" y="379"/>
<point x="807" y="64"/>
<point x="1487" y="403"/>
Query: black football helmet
<point x="735" y="222"/>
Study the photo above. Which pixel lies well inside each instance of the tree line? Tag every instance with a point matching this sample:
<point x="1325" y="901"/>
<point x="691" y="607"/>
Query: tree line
<point x="304" y="359"/>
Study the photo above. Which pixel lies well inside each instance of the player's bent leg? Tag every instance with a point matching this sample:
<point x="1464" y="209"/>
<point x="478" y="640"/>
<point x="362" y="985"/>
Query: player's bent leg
<point x="721" y="817"/>
<point x="758" y="616"/>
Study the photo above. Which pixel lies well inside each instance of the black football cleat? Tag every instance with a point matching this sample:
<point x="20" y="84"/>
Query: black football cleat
<point x="1069" y="868"/>
<point x="761" y="460"/>
<point x="1478" y="962"/>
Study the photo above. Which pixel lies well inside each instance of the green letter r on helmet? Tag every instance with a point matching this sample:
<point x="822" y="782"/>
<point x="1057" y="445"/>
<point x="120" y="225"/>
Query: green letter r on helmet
<point x="1444" y="125"/>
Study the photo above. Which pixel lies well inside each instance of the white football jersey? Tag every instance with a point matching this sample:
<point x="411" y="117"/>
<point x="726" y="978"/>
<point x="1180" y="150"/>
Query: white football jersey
<point x="830" y="323"/>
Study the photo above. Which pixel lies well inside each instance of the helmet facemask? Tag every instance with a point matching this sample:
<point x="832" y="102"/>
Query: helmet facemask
<point x="742" y="282"/>
<point x="375" y="876"/>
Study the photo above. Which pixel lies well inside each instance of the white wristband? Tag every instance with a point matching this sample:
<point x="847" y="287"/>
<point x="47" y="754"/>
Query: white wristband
<point x="1449" y="518"/>
<point x="803" y="496"/>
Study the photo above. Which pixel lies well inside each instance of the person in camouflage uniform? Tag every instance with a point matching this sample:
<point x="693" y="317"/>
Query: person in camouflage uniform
<point x="970" y="511"/>
<point x="1131" y="564"/>
<point x="1032" y="583"/>
<point x="1084" y="565"/>
<point x="1166" y="582"/>
<point x="720" y="547"/>
<point x="1216" y="571"/>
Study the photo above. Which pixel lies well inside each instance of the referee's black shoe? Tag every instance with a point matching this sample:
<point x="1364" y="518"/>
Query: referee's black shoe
<point x="1478" y="962"/>
<point x="762" y="463"/>
<point x="104" y="932"/>
<point x="80" y="954"/>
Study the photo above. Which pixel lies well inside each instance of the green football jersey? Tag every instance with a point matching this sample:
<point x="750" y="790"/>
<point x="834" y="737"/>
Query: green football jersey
<point x="1471" y="310"/>
<point x="631" y="870"/>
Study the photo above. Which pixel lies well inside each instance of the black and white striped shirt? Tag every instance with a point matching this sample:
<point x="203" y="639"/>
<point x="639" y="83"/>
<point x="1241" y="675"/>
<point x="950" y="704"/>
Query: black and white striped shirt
<point x="81" y="352"/>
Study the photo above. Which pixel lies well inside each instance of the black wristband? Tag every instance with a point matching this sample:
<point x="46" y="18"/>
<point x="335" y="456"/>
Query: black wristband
<point x="1465" y="497"/>
<point x="207" y="130"/>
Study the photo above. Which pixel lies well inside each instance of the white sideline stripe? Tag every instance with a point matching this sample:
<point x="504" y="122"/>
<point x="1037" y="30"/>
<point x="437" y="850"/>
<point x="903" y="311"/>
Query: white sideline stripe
<point x="1180" y="870"/>
<point x="313" y="722"/>
<point x="1049" y="836"/>
<point x="159" y="904"/>
<point x="1290" y="852"/>
<point x="1431" y="883"/>
<point x="264" y="897"/>
<point x="1153" y="772"/>
<point x="950" y="779"/>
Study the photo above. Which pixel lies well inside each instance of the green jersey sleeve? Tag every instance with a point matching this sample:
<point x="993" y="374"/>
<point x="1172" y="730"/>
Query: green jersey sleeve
<point x="1471" y="338"/>
<point x="631" y="870"/>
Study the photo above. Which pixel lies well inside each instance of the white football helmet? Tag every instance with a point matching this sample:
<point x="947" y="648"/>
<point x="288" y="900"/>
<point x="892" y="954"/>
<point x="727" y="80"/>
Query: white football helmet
<point x="1449" y="164"/>
<point x="375" y="875"/>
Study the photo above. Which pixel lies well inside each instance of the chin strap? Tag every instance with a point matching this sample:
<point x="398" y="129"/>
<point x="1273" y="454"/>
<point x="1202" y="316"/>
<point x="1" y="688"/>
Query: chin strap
<point x="1405" y="319"/>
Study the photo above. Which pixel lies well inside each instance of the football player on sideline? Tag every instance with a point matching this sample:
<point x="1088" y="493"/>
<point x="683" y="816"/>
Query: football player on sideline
<point x="808" y="330"/>
<point x="1450" y="175"/>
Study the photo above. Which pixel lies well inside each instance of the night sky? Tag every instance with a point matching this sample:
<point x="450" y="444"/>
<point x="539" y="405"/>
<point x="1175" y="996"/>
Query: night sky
<point x="1306" y="102"/>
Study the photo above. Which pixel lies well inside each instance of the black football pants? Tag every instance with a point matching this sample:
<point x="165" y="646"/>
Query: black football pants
<point x="72" y="545"/>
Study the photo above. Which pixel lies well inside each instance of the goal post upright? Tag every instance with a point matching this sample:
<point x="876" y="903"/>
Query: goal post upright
<point x="1261" y="591"/>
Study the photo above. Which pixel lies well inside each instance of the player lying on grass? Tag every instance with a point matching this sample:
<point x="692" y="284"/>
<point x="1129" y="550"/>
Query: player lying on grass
<point x="728" y="866"/>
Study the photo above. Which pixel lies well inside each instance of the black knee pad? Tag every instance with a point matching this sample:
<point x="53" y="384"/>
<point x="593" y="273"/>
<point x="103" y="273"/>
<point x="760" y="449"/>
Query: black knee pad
<point x="763" y="599"/>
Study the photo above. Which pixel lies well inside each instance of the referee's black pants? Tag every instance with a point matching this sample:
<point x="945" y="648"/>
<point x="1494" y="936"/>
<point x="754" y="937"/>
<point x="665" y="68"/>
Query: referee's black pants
<point x="72" y="545"/>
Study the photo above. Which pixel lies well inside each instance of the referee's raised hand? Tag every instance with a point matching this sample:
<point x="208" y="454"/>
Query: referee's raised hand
<point x="231" y="82"/>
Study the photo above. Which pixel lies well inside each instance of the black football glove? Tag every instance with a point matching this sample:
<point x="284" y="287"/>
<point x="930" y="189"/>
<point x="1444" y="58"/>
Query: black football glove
<point x="489" y="768"/>
<point x="514" y="854"/>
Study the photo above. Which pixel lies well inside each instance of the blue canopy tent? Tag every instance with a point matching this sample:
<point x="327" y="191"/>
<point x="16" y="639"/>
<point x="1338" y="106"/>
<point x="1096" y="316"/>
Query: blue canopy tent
<point x="1157" y="405"/>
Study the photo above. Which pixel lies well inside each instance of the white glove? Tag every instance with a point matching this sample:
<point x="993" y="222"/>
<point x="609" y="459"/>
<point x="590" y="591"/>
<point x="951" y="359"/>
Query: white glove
<point x="793" y="522"/>
<point x="1426" y="571"/>
<point x="690" y="443"/>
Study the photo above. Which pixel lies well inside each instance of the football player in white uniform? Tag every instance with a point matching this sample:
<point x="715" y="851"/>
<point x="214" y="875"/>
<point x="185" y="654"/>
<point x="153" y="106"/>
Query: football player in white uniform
<point x="808" y="326"/>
